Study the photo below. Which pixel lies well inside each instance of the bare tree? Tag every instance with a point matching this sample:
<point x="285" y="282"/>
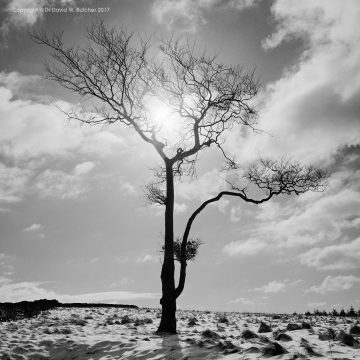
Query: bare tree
<point x="117" y="73"/>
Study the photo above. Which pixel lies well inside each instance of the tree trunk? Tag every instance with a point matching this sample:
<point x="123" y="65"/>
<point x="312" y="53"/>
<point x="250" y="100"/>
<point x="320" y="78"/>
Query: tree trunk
<point x="168" y="300"/>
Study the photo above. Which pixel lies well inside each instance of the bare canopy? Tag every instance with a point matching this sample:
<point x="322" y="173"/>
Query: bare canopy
<point x="119" y="73"/>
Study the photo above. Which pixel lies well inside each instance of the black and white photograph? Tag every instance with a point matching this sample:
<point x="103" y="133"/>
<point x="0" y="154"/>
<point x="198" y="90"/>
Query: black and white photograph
<point x="179" y="179"/>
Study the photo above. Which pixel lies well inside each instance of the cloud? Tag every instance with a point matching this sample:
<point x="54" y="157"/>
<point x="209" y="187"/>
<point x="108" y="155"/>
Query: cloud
<point x="19" y="85"/>
<point x="6" y="267"/>
<point x="315" y="305"/>
<point x="58" y="184"/>
<point x="313" y="219"/>
<point x="123" y="281"/>
<point x="180" y="208"/>
<point x="83" y="168"/>
<point x="35" y="135"/>
<point x="334" y="257"/>
<point x="30" y="128"/>
<point x="272" y="287"/>
<point x="22" y="14"/>
<point x="107" y="297"/>
<point x="128" y="188"/>
<point x="248" y="247"/>
<point x="276" y="286"/>
<point x="235" y="213"/>
<point x="188" y="15"/>
<point x="13" y="182"/>
<point x="14" y="292"/>
<point x="335" y="283"/>
<point x="242" y="300"/>
<point x="146" y="258"/>
<point x="313" y="110"/>
<point x="202" y="187"/>
<point x="33" y="227"/>
<point x="11" y="291"/>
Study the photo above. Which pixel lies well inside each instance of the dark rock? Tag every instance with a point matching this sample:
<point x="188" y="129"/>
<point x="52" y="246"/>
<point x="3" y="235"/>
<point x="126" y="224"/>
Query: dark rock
<point x="283" y="337"/>
<point x="228" y="347"/>
<point x="346" y="339"/>
<point x="264" y="328"/>
<point x="273" y="349"/>
<point x="252" y="350"/>
<point x="193" y="321"/>
<point x="355" y="330"/>
<point x="223" y="320"/>
<point x="210" y="334"/>
<point x="293" y="327"/>
<point x="248" y="334"/>
<point x="327" y="335"/>
<point x="264" y="339"/>
<point x="305" y="325"/>
<point x="305" y="344"/>
<point x="125" y="320"/>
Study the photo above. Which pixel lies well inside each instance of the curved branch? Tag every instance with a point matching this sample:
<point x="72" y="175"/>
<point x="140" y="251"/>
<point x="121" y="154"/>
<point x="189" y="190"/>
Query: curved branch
<point x="274" y="178"/>
<point x="183" y="262"/>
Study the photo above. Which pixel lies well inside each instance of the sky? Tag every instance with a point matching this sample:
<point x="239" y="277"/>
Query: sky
<point x="74" y="224"/>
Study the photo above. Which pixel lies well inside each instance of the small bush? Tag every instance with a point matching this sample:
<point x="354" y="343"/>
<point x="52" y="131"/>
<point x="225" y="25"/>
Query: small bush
<point x="223" y="320"/>
<point x="125" y="320"/>
<point x="193" y="321"/>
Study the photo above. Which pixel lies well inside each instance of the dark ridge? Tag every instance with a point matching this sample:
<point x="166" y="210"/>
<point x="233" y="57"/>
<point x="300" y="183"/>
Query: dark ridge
<point x="98" y="305"/>
<point x="28" y="309"/>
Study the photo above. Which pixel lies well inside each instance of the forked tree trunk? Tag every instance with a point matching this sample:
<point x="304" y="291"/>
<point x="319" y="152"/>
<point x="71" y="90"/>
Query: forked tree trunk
<point x="168" y="300"/>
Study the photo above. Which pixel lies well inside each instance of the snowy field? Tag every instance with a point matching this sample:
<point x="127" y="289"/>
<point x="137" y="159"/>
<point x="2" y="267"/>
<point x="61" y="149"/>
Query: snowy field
<point x="115" y="333"/>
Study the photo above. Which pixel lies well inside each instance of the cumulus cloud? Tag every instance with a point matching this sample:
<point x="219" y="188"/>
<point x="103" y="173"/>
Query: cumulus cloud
<point x="22" y="14"/>
<point x="272" y="287"/>
<point x="58" y="184"/>
<point x="335" y="283"/>
<point x="33" y="134"/>
<point x="128" y="188"/>
<point x="13" y="182"/>
<point x="315" y="305"/>
<point x="242" y="301"/>
<point x="11" y="291"/>
<point x="315" y="220"/>
<point x="235" y="213"/>
<point x="334" y="257"/>
<point x="83" y="168"/>
<point x="180" y="207"/>
<point x="123" y="281"/>
<point x="276" y="286"/>
<point x="33" y="227"/>
<point x="248" y="247"/>
<point x="313" y="109"/>
<point x="107" y="297"/>
<point x="14" y="292"/>
<point x="188" y="15"/>
<point x="19" y="85"/>
<point x="146" y="258"/>
<point x="6" y="268"/>
<point x="202" y="187"/>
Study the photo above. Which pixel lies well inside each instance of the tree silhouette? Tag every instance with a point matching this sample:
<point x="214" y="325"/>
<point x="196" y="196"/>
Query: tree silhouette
<point x="209" y="99"/>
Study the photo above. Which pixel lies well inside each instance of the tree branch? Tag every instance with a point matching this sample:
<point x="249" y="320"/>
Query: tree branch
<point x="274" y="178"/>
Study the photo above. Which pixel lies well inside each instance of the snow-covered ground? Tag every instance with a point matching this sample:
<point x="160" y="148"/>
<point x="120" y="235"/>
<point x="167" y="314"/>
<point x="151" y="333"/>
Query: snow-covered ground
<point x="115" y="333"/>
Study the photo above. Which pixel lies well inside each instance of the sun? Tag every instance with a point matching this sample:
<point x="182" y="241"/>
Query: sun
<point x="163" y="117"/>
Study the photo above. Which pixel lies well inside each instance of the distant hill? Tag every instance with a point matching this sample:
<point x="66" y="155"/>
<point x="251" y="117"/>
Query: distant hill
<point x="27" y="309"/>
